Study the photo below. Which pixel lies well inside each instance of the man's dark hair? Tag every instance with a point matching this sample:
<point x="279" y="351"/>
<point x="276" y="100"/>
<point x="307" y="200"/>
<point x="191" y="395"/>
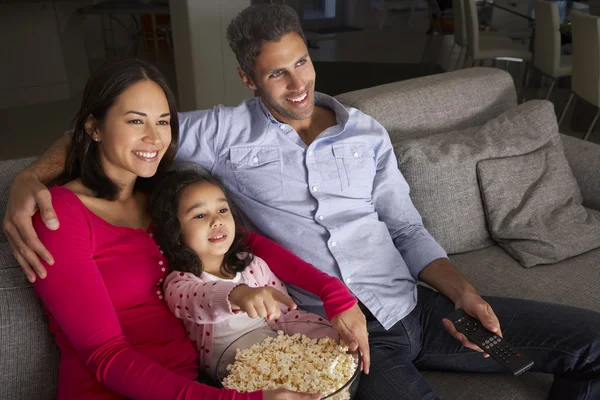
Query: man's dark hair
<point x="101" y="91"/>
<point x="258" y="24"/>
<point x="164" y="205"/>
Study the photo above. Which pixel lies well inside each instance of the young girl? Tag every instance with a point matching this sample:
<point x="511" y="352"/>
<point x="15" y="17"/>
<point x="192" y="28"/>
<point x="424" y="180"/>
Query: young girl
<point x="218" y="287"/>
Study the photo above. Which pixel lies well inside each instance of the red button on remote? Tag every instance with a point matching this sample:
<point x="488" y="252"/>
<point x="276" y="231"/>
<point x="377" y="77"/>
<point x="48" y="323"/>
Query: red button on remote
<point x="518" y="355"/>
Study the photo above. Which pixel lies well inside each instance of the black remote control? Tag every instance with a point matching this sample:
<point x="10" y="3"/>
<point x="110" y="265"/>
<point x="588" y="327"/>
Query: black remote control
<point x="498" y="348"/>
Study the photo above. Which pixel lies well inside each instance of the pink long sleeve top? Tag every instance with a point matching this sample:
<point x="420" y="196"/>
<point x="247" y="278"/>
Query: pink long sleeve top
<point x="106" y="307"/>
<point x="202" y="302"/>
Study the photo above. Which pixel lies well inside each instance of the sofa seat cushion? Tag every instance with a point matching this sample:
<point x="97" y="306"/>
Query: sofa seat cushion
<point x="28" y="354"/>
<point x="460" y="386"/>
<point x="572" y="282"/>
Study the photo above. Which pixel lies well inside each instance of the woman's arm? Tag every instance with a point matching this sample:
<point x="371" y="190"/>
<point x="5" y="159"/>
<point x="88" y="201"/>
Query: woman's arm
<point x="75" y="294"/>
<point x="291" y="269"/>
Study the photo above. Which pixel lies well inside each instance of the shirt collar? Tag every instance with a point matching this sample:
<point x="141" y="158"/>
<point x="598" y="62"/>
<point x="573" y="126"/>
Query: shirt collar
<point x="321" y="99"/>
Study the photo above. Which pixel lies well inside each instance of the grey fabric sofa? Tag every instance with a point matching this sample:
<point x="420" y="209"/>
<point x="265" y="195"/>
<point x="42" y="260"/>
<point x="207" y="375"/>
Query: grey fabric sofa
<point x="408" y="109"/>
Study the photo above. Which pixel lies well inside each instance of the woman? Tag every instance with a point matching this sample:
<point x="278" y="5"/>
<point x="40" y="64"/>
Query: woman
<point x="103" y="294"/>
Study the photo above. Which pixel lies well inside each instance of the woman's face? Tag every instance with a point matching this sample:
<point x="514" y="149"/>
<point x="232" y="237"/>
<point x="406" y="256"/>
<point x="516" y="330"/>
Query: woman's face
<point x="207" y="226"/>
<point x="135" y="133"/>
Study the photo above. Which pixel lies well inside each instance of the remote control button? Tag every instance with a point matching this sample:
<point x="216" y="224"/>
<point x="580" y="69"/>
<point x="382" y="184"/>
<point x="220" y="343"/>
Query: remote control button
<point x="518" y="355"/>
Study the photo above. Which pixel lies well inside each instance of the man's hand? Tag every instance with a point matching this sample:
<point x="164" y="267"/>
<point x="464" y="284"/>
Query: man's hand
<point x="259" y="302"/>
<point x="352" y="327"/>
<point x="476" y="307"/>
<point x="283" y="394"/>
<point x="27" y="195"/>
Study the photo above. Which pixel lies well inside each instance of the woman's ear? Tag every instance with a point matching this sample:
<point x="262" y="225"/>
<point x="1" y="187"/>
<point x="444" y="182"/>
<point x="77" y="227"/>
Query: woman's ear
<point x="91" y="128"/>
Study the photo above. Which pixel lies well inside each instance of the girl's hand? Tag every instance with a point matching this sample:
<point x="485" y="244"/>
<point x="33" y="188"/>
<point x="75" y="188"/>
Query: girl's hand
<point x="260" y="302"/>
<point x="283" y="394"/>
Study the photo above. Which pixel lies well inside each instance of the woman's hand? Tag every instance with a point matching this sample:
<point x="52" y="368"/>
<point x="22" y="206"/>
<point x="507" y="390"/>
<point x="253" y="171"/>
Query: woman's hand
<point x="283" y="394"/>
<point x="260" y="302"/>
<point x="352" y="327"/>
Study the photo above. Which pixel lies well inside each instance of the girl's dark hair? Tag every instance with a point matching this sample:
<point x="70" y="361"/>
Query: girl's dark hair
<point x="164" y="205"/>
<point x="100" y="94"/>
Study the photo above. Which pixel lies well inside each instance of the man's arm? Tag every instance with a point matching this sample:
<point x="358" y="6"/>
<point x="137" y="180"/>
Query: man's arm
<point x="27" y="194"/>
<point x="444" y="277"/>
<point x="52" y="163"/>
<point x="424" y="257"/>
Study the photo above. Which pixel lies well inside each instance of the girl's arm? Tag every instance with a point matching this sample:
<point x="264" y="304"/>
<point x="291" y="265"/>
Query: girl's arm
<point x="75" y="294"/>
<point x="191" y="298"/>
<point x="291" y="269"/>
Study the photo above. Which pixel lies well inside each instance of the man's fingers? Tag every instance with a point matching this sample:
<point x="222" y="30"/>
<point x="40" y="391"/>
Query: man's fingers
<point x="490" y="321"/>
<point x="26" y="257"/>
<point x="29" y="272"/>
<point x="283" y="299"/>
<point x="32" y="241"/>
<point x="459" y="336"/>
<point x="43" y="200"/>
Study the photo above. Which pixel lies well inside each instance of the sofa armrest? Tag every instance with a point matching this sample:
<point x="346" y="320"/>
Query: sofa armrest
<point x="584" y="159"/>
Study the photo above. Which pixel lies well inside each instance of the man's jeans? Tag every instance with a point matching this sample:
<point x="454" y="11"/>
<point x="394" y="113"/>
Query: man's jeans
<point x="561" y="340"/>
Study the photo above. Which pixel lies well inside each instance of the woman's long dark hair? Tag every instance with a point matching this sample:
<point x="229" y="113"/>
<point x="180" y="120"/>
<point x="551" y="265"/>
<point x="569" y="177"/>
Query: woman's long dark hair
<point x="100" y="94"/>
<point x="164" y="206"/>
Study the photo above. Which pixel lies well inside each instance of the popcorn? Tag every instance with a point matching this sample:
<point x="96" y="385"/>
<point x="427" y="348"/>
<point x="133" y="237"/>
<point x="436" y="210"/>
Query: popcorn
<point x="296" y="363"/>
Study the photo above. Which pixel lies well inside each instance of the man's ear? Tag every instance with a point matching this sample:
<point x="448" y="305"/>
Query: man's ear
<point x="246" y="79"/>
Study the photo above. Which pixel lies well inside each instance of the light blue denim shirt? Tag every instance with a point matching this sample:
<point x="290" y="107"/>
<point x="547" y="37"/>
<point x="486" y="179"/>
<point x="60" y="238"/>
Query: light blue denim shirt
<point x="341" y="203"/>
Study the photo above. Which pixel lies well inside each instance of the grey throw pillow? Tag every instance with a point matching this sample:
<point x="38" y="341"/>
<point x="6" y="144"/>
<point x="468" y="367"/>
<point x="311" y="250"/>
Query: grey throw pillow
<point x="533" y="207"/>
<point x="441" y="171"/>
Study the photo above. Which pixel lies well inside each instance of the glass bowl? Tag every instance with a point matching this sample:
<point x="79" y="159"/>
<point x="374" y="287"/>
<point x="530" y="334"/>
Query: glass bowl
<point x="313" y="330"/>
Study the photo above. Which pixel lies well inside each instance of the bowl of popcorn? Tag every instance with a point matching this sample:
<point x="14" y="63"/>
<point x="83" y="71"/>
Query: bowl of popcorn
<point x="306" y="357"/>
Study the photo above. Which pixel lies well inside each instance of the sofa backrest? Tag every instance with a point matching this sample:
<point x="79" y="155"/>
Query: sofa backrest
<point x="436" y="103"/>
<point x="28" y="354"/>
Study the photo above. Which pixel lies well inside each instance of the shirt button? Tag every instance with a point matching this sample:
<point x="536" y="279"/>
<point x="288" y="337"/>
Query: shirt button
<point x="163" y="269"/>
<point x="348" y="280"/>
<point x="158" y="292"/>
<point x="310" y="153"/>
<point x="321" y="218"/>
<point x="160" y="263"/>
<point x="255" y="160"/>
<point x="315" y="188"/>
<point x="333" y="244"/>
<point x="355" y="154"/>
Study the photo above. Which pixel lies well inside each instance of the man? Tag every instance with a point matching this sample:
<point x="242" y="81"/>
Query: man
<point x="323" y="181"/>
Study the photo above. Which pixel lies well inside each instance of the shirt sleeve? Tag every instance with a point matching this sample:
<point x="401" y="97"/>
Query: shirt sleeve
<point x="395" y="208"/>
<point x="75" y="295"/>
<point x="291" y="269"/>
<point x="191" y="298"/>
<point x="198" y="136"/>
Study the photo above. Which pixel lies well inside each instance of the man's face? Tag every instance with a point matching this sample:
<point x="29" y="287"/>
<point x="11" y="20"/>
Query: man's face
<point x="285" y="78"/>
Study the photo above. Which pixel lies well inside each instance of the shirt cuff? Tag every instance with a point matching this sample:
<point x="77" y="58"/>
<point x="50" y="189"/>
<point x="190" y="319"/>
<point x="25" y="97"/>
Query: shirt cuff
<point x="421" y="256"/>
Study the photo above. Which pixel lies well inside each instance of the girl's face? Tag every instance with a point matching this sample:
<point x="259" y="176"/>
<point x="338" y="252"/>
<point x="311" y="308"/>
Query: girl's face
<point x="135" y="133"/>
<point x="207" y="226"/>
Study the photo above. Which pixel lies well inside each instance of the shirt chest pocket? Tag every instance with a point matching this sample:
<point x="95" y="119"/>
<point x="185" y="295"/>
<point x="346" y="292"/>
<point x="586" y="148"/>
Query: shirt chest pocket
<point x="258" y="171"/>
<point x="356" y="166"/>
